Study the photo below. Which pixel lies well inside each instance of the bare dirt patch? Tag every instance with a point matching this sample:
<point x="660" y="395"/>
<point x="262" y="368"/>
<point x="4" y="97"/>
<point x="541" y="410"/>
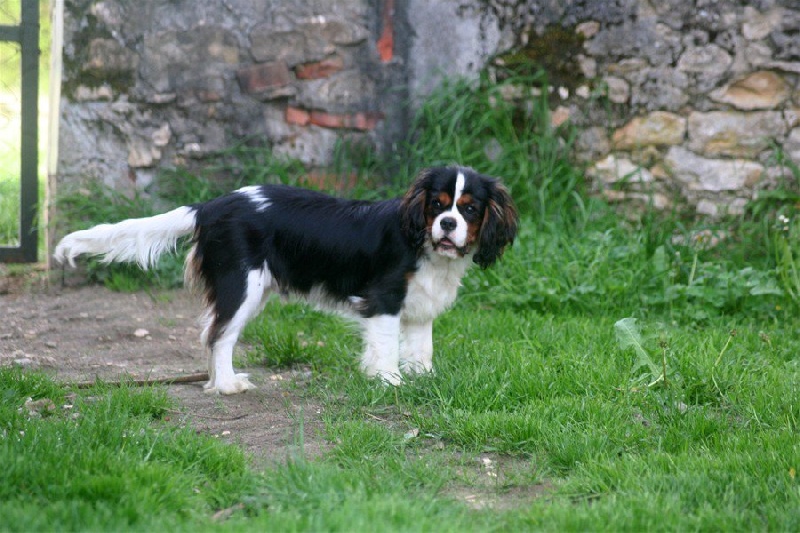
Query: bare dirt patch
<point x="84" y="333"/>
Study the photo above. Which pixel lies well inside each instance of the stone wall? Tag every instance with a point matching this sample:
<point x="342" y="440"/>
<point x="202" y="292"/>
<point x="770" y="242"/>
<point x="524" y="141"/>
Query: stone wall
<point x="167" y="82"/>
<point x="676" y="102"/>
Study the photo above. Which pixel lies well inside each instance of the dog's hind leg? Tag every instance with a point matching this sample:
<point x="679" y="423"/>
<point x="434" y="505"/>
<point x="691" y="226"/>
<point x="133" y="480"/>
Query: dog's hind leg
<point x="229" y="316"/>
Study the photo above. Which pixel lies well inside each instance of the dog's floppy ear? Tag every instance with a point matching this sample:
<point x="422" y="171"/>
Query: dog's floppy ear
<point x="499" y="225"/>
<point x="412" y="210"/>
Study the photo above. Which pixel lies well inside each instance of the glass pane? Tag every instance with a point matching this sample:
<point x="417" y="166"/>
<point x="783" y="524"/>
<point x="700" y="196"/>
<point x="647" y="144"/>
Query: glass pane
<point x="10" y="11"/>
<point x="10" y="116"/>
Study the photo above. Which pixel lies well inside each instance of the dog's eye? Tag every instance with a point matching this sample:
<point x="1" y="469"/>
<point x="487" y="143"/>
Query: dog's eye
<point x="436" y="204"/>
<point x="470" y="209"/>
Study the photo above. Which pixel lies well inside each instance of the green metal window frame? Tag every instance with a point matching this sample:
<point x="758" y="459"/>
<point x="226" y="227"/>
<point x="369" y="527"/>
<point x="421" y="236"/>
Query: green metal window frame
<point x="27" y="35"/>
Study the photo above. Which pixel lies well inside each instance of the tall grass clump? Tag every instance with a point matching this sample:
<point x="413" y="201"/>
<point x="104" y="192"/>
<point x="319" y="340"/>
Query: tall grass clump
<point x="479" y="124"/>
<point x="576" y="253"/>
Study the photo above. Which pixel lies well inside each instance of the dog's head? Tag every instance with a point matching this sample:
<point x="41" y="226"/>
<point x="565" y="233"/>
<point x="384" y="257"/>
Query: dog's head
<point x="457" y="212"/>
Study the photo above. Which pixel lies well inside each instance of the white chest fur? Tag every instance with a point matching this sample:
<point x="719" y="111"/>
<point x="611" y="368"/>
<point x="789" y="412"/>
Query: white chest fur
<point x="434" y="287"/>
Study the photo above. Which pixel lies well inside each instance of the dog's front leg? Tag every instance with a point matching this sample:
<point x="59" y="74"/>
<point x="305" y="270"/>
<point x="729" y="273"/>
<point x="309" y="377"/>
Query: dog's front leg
<point x="416" y="347"/>
<point x="382" y="348"/>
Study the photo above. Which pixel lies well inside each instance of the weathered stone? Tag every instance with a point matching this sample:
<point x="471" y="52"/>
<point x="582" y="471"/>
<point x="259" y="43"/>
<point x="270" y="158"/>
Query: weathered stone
<point x="592" y="143"/>
<point x="708" y="60"/>
<point x="175" y="61"/>
<point x="291" y="47"/>
<point x="107" y="57"/>
<point x="792" y="116"/>
<point x="721" y="207"/>
<point x="314" y="146"/>
<point x="759" y="90"/>
<point x="733" y="133"/>
<point x="791" y="147"/>
<point x="613" y="170"/>
<point x="162" y="135"/>
<point x="655" y="43"/>
<point x="588" y="66"/>
<point x="759" y="25"/>
<point x="658" y="129"/>
<point x="627" y="67"/>
<point x="345" y="91"/>
<point x="141" y="153"/>
<point x="712" y="175"/>
<point x="336" y="31"/>
<point x="660" y="89"/>
<point x="619" y="91"/>
<point x="588" y="29"/>
<point x="165" y="98"/>
<point x="262" y="77"/>
<point x="559" y="116"/>
<point x="93" y="94"/>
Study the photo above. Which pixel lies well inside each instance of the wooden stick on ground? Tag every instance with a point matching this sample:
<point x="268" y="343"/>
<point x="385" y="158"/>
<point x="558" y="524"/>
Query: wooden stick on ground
<point x="186" y="378"/>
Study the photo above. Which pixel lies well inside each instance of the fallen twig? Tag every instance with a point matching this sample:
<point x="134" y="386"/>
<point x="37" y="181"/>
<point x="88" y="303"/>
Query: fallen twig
<point x="187" y="378"/>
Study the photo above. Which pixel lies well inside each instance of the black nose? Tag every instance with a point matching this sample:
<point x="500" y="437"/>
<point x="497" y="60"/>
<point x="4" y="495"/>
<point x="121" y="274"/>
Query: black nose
<point x="448" y="224"/>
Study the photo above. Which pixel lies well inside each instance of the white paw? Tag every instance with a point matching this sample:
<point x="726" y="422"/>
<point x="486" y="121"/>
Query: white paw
<point x="416" y="367"/>
<point x="387" y="377"/>
<point x="237" y="385"/>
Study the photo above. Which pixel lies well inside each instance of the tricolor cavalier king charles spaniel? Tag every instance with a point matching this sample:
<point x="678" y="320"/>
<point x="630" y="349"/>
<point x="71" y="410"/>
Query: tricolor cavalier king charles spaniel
<point x="393" y="265"/>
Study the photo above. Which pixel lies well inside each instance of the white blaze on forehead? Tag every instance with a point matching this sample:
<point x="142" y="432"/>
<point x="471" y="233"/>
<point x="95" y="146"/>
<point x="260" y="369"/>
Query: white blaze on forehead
<point x="459" y="234"/>
<point x="459" y="190"/>
<point x="253" y="192"/>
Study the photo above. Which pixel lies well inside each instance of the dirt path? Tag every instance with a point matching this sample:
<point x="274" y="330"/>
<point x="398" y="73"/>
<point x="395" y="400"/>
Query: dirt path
<point x="79" y="334"/>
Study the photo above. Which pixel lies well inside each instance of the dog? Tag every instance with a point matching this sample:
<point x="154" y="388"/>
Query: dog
<point x="393" y="265"/>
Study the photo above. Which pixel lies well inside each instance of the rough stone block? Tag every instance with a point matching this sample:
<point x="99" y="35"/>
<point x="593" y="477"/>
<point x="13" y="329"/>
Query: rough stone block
<point x="734" y="133"/>
<point x="656" y="129"/>
<point x="759" y="90"/>
<point x="712" y="175"/>
<point x="613" y="170"/>
<point x="710" y="60"/>
<point x="263" y="77"/>
<point x="107" y="57"/>
<point x="173" y="61"/>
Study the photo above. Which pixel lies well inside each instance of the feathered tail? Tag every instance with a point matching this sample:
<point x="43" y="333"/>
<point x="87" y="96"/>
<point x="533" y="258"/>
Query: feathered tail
<point x="140" y="240"/>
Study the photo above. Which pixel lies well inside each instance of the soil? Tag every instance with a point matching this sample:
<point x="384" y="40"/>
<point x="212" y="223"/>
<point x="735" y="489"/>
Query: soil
<point x="82" y="333"/>
<point x="79" y="334"/>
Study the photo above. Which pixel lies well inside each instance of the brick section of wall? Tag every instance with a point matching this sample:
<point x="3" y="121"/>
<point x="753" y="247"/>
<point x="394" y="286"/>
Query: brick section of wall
<point x="319" y="69"/>
<point x="263" y="77"/>
<point x="297" y="116"/>
<point x="357" y="121"/>
<point x="385" y="44"/>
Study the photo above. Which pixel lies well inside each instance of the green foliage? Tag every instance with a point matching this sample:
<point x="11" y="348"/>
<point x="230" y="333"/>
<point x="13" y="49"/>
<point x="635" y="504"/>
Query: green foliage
<point x="99" y="459"/>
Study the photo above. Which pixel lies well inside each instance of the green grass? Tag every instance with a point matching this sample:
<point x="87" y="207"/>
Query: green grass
<point x="552" y="398"/>
<point x="604" y="375"/>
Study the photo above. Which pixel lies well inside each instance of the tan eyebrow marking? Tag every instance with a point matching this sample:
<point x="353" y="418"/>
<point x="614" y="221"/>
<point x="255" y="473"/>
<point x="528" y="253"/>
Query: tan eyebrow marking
<point x="465" y="199"/>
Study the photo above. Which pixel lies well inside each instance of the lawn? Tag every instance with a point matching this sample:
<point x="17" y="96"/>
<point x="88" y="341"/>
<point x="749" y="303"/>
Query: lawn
<point x="606" y="375"/>
<point x="533" y="421"/>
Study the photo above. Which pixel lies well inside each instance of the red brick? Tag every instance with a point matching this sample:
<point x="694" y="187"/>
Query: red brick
<point x="357" y="121"/>
<point x="365" y="121"/>
<point x="327" y="120"/>
<point x="297" y="116"/>
<point x="262" y="77"/>
<point x="385" y="43"/>
<point x="319" y="69"/>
